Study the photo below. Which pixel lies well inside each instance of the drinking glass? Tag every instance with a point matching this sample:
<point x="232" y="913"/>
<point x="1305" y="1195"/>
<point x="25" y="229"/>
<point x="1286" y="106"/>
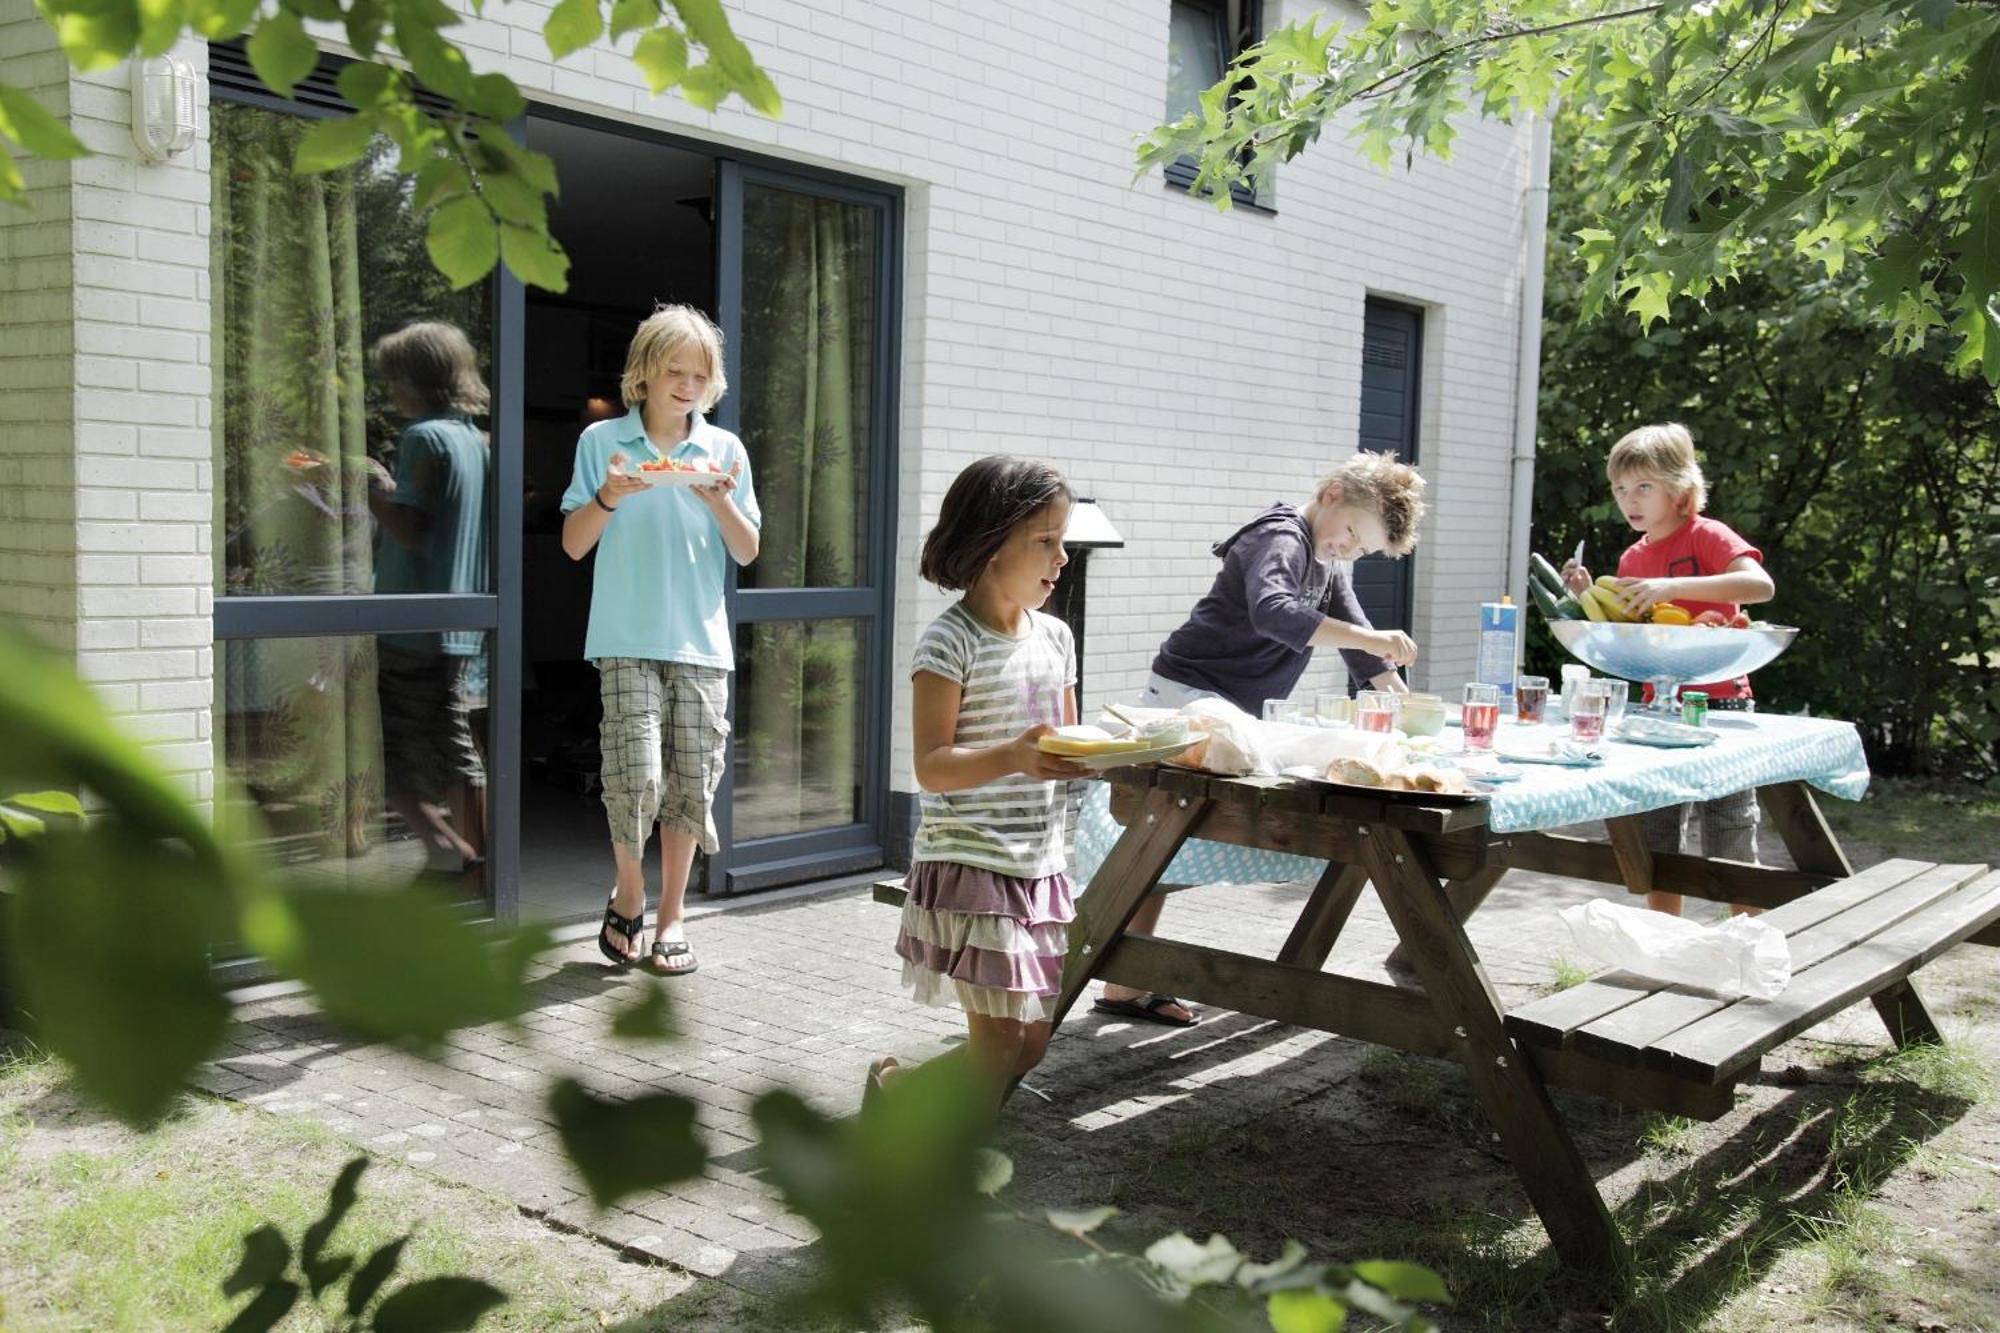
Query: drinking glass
<point x="1334" y="708"/>
<point x="1375" y="710"/>
<point x="1531" y="698"/>
<point x="1481" y="715"/>
<point x="1282" y="710"/>
<point x="1586" y="712"/>
<point x="1617" y="694"/>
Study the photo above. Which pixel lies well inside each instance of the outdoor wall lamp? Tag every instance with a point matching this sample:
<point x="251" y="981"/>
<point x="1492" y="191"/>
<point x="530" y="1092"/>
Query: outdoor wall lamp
<point x="162" y="107"/>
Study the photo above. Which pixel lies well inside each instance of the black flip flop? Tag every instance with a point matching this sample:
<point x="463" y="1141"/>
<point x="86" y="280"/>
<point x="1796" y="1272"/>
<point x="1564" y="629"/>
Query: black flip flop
<point x="1146" y="1008"/>
<point x="628" y="926"/>
<point x="674" y="949"/>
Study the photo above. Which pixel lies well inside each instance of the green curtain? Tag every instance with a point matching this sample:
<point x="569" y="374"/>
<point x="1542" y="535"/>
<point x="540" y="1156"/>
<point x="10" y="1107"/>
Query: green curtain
<point x="809" y="337"/>
<point x="300" y="728"/>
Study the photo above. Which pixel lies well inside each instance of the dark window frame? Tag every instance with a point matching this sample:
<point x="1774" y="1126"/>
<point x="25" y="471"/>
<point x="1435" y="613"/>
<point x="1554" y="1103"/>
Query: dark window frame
<point x="1180" y="174"/>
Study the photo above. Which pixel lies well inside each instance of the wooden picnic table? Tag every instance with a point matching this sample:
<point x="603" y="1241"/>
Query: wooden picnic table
<point x="1667" y="1048"/>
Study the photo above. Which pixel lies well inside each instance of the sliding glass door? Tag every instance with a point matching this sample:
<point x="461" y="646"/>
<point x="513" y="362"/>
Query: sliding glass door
<point x="807" y="287"/>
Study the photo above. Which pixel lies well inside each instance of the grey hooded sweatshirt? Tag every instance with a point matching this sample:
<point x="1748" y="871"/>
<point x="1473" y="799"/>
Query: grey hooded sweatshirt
<point x="1249" y="637"/>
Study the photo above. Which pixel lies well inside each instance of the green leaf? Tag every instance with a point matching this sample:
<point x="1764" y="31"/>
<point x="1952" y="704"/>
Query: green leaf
<point x="1080" y="1222"/>
<point x="495" y="97"/>
<point x="463" y="241"/>
<point x="1196" y="1265"/>
<point x="366" y="21"/>
<point x="992" y="1170"/>
<point x="514" y="200"/>
<point x="627" y="1147"/>
<point x="281" y="53"/>
<point x="538" y="169"/>
<point x="1404" y="1281"/>
<point x="28" y="123"/>
<point x="704" y="87"/>
<point x="437" y="1305"/>
<point x="93" y="33"/>
<point x="662" y="56"/>
<point x="49" y="803"/>
<point x="571" y="26"/>
<point x="133" y="1011"/>
<point x="1305" y="1311"/>
<point x="220" y="20"/>
<point x="632" y="15"/>
<point x="19" y="823"/>
<point x="372" y="1275"/>
<point x="438" y="64"/>
<point x="320" y="1271"/>
<point x="273" y="1303"/>
<point x="364" y="83"/>
<point x="266" y="1254"/>
<point x="344" y="942"/>
<point x="648" y="1018"/>
<point x="332" y="143"/>
<point x="438" y="179"/>
<point x="533" y="256"/>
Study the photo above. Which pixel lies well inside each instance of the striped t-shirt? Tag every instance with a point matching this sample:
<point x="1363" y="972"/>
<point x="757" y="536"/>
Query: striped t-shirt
<point x="1018" y="825"/>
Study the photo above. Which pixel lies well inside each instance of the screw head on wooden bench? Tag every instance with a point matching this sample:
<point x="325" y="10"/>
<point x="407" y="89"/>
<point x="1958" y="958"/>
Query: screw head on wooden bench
<point x="1182" y="802"/>
<point x="1459" y="1032"/>
<point x="1362" y="830"/>
<point x="1500" y="1061"/>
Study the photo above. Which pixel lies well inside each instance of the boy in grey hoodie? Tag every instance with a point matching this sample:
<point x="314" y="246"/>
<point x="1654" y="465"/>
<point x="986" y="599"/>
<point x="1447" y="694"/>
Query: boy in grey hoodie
<point x="1283" y="591"/>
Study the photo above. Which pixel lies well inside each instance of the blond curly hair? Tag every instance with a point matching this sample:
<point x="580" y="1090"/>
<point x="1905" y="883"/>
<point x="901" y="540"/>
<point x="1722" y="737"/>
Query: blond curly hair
<point x="1387" y="487"/>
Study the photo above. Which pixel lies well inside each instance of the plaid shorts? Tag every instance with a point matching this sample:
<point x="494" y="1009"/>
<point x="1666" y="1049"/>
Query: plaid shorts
<point x="665" y="738"/>
<point x="429" y="741"/>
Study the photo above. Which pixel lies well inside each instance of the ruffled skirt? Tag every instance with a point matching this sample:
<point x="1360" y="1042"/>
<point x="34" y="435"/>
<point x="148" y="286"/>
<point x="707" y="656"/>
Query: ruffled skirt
<point x="984" y="942"/>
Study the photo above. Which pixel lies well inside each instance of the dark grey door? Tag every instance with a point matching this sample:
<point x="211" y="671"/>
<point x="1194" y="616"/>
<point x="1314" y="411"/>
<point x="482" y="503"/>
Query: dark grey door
<point x="1391" y="353"/>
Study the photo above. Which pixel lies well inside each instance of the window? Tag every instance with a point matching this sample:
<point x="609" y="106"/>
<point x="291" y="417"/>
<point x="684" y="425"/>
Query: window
<point x="1204" y="36"/>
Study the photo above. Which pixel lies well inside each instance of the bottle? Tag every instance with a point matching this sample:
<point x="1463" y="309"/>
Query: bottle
<point x="1694" y="707"/>
<point x="1498" y="625"/>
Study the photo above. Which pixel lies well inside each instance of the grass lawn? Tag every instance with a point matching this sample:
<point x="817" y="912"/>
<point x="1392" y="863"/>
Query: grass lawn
<point x="1917" y="817"/>
<point x="102" y="1228"/>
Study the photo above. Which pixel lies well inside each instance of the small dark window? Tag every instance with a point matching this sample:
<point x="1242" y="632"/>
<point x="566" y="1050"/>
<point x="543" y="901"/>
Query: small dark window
<point x="1205" y="35"/>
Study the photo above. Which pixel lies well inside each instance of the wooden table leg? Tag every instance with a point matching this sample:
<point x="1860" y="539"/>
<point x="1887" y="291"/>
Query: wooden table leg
<point x="1507" y="1085"/>
<point x="1129" y="874"/>
<point x="1326" y="912"/>
<point x="1635" y="858"/>
<point x="1803" y="830"/>
<point x="1465" y="896"/>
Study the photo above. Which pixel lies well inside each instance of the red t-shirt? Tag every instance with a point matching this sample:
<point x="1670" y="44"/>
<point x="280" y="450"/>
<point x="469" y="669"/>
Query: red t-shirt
<point x="1699" y="547"/>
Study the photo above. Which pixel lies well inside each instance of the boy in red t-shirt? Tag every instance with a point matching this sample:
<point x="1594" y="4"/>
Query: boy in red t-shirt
<point x="1696" y="563"/>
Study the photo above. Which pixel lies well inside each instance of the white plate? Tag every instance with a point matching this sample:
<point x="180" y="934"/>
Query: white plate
<point x="1097" y="763"/>
<point x="670" y="478"/>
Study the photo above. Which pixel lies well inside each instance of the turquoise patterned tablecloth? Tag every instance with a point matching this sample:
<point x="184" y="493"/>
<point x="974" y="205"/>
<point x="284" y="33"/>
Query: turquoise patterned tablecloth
<point x="1751" y="750"/>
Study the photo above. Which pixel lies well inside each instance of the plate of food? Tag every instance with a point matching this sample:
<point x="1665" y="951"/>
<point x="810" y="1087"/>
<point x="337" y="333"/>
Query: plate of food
<point x="1097" y="749"/>
<point x="1638" y="729"/>
<point x="1417" y="782"/>
<point x="676" y="472"/>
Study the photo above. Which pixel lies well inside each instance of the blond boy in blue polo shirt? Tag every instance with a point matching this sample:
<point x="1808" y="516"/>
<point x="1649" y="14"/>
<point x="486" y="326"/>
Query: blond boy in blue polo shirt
<point x="658" y="631"/>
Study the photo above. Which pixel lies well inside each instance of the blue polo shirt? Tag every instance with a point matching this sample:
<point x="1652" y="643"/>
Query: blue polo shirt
<point x="661" y="562"/>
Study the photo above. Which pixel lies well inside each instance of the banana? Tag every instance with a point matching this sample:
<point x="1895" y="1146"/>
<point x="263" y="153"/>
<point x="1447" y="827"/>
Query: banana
<point x="1587" y="599"/>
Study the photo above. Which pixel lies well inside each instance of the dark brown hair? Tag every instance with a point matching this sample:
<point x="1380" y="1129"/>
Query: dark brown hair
<point x="986" y="502"/>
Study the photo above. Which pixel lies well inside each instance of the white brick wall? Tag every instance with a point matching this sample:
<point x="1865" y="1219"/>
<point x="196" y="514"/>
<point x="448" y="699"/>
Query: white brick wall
<point x="37" y="364"/>
<point x="1052" y="305"/>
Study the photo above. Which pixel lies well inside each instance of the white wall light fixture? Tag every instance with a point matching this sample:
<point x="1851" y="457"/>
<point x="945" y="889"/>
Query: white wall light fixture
<point x="162" y="107"/>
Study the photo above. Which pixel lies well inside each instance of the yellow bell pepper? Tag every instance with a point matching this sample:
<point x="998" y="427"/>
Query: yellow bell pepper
<point x="1666" y="613"/>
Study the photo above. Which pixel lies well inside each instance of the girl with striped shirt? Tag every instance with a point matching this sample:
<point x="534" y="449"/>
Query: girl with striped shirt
<point x="986" y="924"/>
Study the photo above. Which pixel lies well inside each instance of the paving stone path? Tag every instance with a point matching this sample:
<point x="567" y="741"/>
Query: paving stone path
<point x="802" y="994"/>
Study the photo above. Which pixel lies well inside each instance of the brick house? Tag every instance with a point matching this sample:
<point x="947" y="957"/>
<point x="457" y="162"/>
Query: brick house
<point x="949" y="199"/>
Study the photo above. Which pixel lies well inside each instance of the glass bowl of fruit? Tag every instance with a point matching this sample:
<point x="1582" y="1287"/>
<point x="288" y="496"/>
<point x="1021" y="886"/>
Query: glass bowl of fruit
<point x="1670" y="655"/>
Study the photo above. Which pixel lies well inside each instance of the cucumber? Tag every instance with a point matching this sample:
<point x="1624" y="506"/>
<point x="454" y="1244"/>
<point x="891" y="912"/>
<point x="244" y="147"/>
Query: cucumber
<point x="1545" y="600"/>
<point x="1550" y="576"/>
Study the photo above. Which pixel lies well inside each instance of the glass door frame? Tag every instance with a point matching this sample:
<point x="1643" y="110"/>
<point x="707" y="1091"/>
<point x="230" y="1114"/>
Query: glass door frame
<point x="498" y="613"/>
<point x="859" y="845"/>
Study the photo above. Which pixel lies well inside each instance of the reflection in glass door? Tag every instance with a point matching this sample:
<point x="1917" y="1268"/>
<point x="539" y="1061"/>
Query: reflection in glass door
<point x="808" y="312"/>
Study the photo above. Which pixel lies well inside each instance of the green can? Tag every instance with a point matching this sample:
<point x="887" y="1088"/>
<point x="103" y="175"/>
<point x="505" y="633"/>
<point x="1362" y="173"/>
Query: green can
<point x="1694" y="707"/>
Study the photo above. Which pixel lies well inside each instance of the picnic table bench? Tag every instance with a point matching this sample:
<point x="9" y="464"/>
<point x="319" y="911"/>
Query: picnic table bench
<point x="1660" y="1047"/>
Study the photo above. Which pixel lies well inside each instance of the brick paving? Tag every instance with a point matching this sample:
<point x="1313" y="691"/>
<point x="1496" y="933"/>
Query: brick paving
<point x="1168" y="1123"/>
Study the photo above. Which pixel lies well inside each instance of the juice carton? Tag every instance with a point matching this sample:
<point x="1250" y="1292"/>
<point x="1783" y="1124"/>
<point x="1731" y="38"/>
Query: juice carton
<point x="1499" y="644"/>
